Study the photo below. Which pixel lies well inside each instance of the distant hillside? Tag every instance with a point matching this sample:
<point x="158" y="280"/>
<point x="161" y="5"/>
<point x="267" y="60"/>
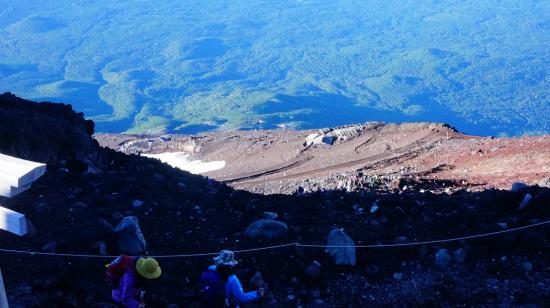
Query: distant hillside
<point x="188" y="66"/>
<point x="374" y="155"/>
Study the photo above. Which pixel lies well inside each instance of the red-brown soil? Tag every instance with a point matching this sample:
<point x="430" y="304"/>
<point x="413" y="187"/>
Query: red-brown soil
<point x="278" y="161"/>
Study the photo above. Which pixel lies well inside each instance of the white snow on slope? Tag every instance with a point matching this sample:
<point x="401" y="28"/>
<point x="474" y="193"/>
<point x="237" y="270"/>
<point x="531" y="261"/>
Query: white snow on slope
<point x="181" y="160"/>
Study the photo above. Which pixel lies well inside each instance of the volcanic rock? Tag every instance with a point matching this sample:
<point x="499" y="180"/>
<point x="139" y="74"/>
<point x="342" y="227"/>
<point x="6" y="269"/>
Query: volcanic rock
<point x="525" y="201"/>
<point x="442" y="257"/>
<point x="314" y="270"/>
<point x="459" y="255"/>
<point x="270" y="215"/>
<point x="130" y="239"/>
<point x="518" y="186"/>
<point x="341" y="255"/>
<point x="48" y="133"/>
<point x="257" y="280"/>
<point x="545" y="183"/>
<point x="267" y="229"/>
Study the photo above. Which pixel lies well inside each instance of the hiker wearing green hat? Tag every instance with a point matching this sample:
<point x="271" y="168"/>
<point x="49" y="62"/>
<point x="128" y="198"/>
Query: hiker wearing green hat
<point x="220" y="287"/>
<point x="128" y="276"/>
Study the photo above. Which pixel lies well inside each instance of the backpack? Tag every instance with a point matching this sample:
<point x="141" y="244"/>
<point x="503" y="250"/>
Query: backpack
<point x="117" y="268"/>
<point x="213" y="289"/>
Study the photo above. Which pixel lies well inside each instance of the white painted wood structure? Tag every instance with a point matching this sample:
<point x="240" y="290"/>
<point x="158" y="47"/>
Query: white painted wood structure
<point x="13" y="222"/>
<point x="16" y="176"/>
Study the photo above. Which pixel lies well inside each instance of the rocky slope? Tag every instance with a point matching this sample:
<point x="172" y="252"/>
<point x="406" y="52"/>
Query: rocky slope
<point x="373" y="155"/>
<point x="74" y="211"/>
<point x="47" y="132"/>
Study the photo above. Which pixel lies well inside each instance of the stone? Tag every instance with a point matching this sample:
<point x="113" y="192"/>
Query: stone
<point x="372" y="269"/>
<point x="130" y="239"/>
<point x="117" y="216"/>
<point x="528" y="266"/>
<point x="525" y="201"/>
<point x="137" y="203"/>
<point x="257" y="280"/>
<point x="50" y="247"/>
<point x="80" y="205"/>
<point x="459" y="255"/>
<point x="374" y="208"/>
<point x="316" y="293"/>
<point x="270" y="215"/>
<point x="442" y="257"/>
<point x="545" y="183"/>
<point x="518" y="186"/>
<point x="398" y="276"/>
<point x="31" y="229"/>
<point x="401" y="240"/>
<point x="267" y="229"/>
<point x="314" y="270"/>
<point x="102" y="248"/>
<point x="43" y="207"/>
<point x="70" y="300"/>
<point x="341" y="255"/>
<point x="503" y="225"/>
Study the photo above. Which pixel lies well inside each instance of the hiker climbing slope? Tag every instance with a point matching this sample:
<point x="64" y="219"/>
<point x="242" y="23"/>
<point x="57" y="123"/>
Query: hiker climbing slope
<point x="129" y="275"/>
<point x="220" y="287"/>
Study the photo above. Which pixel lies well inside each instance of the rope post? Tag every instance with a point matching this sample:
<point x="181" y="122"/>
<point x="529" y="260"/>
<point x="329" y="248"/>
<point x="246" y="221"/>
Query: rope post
<point x="3" y="296"/>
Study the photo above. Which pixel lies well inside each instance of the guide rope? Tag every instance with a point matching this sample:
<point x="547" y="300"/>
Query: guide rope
<point x="295" y="244"/>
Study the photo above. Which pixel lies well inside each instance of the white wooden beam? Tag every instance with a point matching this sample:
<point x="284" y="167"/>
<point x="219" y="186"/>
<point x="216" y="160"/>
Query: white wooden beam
<point x="15" y="172"/>
<point x="11" y="191"/>
<point x="13" y="222"/>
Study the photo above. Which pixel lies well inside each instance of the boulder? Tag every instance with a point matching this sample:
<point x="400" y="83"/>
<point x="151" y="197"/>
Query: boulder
<point x="401" y="240"/>
<point x="257" y="280"/>
<point x="50" y="247"/>
<point x="314" y="270"/>
<point x="518" y="186"/>
<point x="545" y="183"/>
<point x="270" y="215"/>
<point x="341" y="255"/>
<point x="442" y="257"/>
<point x="525" y="201"/>
<point x="130" y="239"/>
<point x="528" y="266"/>
<point x="460" y="255"/>
<point x="267" y="229"/>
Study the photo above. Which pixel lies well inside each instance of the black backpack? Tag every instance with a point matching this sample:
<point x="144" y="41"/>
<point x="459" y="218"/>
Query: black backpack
<point x="213" y="289"/>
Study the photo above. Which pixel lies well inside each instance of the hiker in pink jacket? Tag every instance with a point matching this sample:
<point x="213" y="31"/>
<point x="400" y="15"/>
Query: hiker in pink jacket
<point x="128" y="275"/>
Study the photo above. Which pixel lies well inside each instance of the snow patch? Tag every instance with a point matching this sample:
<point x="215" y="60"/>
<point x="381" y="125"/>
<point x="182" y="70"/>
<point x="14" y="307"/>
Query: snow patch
<point x="181" y="161"/>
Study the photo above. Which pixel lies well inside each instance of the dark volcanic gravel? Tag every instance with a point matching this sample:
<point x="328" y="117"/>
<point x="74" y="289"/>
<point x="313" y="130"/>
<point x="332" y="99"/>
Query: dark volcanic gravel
<point x="183" y="213"/>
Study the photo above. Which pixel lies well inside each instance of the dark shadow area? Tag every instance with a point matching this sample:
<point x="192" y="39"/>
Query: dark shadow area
<point x="330" y="110"/>
<point x="182" y="213"/>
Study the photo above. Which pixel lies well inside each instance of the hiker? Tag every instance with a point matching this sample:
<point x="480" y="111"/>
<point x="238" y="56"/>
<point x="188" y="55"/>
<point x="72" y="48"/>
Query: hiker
<point x="220" y="287"/>
<point x="128" y="276"/>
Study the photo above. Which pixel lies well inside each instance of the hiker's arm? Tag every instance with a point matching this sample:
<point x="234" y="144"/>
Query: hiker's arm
<point x="237" y="290"/>
<point x="129" y="292"/>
